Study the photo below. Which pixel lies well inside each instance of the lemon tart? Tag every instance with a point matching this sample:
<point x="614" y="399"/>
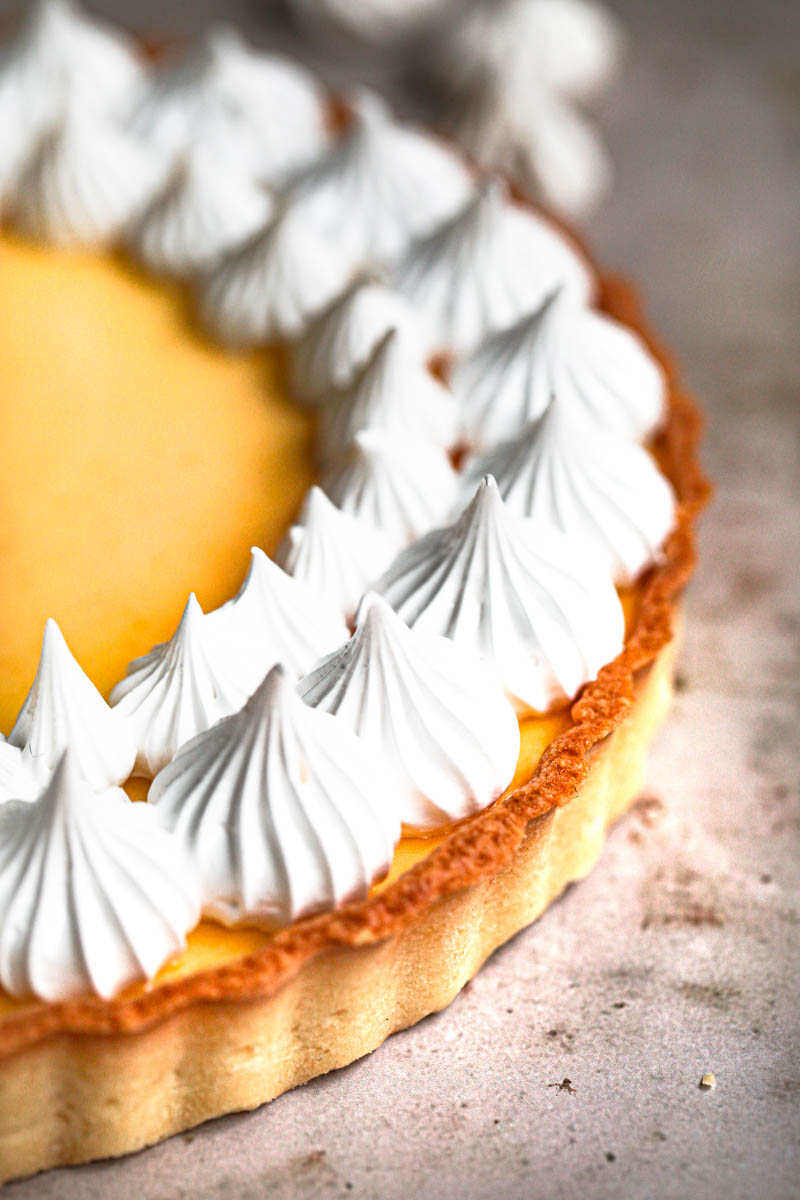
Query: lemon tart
<point x="366" y="769"/>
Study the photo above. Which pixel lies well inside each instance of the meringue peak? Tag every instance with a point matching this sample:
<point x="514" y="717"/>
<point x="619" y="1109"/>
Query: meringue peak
<point x="600" y="370"/>
<point x="340" y="340"/>
<point x="274" y="283"/>
<point x="64" y="709"/>
<point x="539" y="140"/>
<point x="93" y="893"/>
<point x="433" y="712"/>
<point x="335" y="553"/>
<point x="179" y="688"/>
<point x="59" y="56"/>
<point x="187" y="638"/>
<point x="264" y="112"/>
<point x="63" y="52"/>
<point x="399" y="485"/>
<point x="275" y="618"/>
<point x="537" y="605"/>
<point x="593" y="485"/>
<point x="283" y="809"/>
<point x="485" y="267"/>
<point x="380" y="184"/>
<point x="569" y="49"/>
<point x="201" y="214"/>
<point x="88" y="177"/>
<point x="394" y="392"/>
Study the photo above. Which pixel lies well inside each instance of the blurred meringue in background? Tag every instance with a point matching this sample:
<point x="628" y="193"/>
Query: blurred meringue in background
<point x="366" y="21"/>
<point x="509" y="78"/>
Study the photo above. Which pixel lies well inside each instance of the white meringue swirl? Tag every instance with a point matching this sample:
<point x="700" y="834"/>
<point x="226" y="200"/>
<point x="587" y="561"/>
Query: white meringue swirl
<point x="94" y="894"/>
<point x="394" y="392"/>
<point x="86" y="180"/>
<point x="599" y="370"/>
<point x="271" y="286"/>
<point x="380" y="185"/>
<point x="203" y="213"/>
<point x="539" y="141"/>
<point x="59" y="55"/>
<point x="400" y="486"/>
<point x="484" y="268"/>
<point x="263" y="112"/>
<point x="434" y="714"/>
<point x="333" y="22"/>
<point x="333" y="553"/>
<point x="531" y="601"/>
<point x="594" y="485"/>
<point x="63" y="709"/>
<point x="274" y="618"/>
<point x="283" y="810"/>
<point x="339" y="341"/>
<point x="176" y="690"/>
<point x="571" y="48"/>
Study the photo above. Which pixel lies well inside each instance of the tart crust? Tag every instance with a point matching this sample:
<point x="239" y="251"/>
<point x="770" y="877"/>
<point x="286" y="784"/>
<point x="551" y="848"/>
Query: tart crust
<point x="89" y="1078"/>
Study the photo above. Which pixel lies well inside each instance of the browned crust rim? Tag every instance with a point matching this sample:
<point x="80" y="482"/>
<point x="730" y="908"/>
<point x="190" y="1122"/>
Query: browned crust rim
<point x="482" y="846"/>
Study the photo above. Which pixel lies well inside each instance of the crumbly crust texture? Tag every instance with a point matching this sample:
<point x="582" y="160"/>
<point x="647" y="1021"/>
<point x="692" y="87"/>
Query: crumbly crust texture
<point x="70" y="1098"/>
<point x="480" y="848"/>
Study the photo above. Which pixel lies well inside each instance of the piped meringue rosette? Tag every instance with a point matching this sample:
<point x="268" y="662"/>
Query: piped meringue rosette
<point x="94" y="893"/>
<point x="264" y="113"/>
<point x="86" y="180"/>
<point x="484" y="268"/>
<point x="273" y="618"/>
<point x="538" y="606"/>
<point x="338" y="343"/>
<point x="63" y="709"/>
<point x="434" y="714"/>
<point x="272" y="285"/>
<point x="570" y="47"/>
<point x="176" y="690"/>
<point x="599" y="370"/>
<point x="380" y="185"/>
<point x="334" y="553"/>
<point x="281" y="809"/>
<point x="588" y="483"/>
<point x="397" y="484"/>
<point x="539" y="140"/>
<point x="395" y="393"/>
<point x="59" y="56"/>
<point x="206" y="209"/>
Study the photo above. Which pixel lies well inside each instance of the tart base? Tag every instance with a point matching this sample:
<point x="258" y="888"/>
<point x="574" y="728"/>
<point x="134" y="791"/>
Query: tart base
<point x="68" y="1099"/>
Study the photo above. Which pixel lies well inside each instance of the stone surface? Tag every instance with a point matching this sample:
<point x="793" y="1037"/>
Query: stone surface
<point x="679" y="955"/>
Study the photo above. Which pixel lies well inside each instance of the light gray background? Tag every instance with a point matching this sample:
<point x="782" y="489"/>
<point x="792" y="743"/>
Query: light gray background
<point x="679" y="955"/>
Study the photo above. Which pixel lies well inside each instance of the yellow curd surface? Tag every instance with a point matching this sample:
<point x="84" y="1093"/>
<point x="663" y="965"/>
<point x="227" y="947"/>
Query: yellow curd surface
<point x="138" y="463"/>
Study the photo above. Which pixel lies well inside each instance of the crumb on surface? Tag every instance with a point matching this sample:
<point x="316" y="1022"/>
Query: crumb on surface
<point x="708" y="1081"/>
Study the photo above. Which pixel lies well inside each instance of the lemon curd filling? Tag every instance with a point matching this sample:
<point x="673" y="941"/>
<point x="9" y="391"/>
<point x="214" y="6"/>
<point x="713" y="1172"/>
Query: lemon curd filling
<point x="139" y="462"/>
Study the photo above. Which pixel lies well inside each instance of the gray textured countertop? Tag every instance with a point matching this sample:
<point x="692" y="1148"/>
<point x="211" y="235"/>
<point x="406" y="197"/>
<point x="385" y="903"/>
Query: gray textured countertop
<point x="679" y="955"/>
